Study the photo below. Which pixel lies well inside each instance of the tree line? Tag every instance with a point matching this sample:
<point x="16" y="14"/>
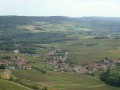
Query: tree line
<point x="111" y="78"/>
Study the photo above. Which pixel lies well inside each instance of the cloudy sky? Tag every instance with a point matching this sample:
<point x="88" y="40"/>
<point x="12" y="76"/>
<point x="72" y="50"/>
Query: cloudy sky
<point x="74" y="8"/>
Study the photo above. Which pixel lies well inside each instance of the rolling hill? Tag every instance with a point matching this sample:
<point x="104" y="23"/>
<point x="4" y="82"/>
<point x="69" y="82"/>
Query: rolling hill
<point x="60" y="23"/>
<point x="86" y="39"/>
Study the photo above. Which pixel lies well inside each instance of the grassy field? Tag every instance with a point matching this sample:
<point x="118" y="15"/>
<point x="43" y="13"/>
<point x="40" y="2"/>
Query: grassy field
<point x="63" y="81"/>
<point x="89" y="50"/>
<point x="6" y="85"/>
<point x="81" y="51"/>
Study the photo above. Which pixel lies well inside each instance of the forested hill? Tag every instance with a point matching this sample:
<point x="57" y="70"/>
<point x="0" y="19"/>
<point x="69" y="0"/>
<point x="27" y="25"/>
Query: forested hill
<point x="60" y="23"/>
<point x="11" y="21"/>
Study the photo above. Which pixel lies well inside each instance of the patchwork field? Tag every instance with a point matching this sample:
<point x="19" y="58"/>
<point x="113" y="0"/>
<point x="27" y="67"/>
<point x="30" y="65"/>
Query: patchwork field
<point x="81" y="51"/>
<point x="89" y="50"/>
<point x="63" y="81"/>
<point x="7" y="85"/>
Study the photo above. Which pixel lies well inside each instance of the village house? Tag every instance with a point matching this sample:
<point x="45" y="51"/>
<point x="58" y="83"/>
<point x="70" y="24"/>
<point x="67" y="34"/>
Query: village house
<point x="102" y="65"/>
<point x="15" y="63"/>
<point x="16" y="51"/>
<point x="97" y="66"/>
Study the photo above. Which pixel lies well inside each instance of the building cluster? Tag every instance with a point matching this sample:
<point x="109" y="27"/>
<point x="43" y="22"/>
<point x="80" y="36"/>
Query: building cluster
<point x="97" y="66"/>
<point x="15" y="63"/>
<point x="50" y="53"/>
<point x="60" y="65"/>
<point x="58" y="60"/>
<point x="56" y="53"/>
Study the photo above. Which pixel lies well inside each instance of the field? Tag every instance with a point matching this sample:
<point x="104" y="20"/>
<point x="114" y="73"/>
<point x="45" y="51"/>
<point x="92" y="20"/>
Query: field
<point x="63" y="81"/>
<point x="90" y="50"/>
<point x="82" y="51"/>
<point x="5" y="85"/>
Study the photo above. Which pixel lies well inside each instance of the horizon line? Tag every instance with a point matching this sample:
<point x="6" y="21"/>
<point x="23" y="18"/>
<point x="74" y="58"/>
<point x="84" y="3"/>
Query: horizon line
<point x="60" y="16"/>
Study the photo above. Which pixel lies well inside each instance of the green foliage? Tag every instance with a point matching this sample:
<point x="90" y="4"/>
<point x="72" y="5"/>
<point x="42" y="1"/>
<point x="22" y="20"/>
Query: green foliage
<point x="71" y="61"/>
<point x="45" y="88"/>
<point x="26" y="50"/>
<point x="2" y="66"/>
<point x="40" y="70"/>
<point x="5" y="57"/>
<point x="118" y="64"/>
<point x="111" y="78"/>
<point x="91" y="74"/>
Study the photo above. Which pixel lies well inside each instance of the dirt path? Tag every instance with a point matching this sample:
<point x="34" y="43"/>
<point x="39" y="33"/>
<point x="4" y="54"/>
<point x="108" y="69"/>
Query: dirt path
<point x="19" y="85"/>
<point x="66" y="56"/>
<point x="97" y="86"/>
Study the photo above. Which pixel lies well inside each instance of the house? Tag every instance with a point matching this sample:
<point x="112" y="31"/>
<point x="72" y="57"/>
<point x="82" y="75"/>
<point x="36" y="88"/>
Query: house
<point x="16" y="51"/>
<point x="14" y="63"/>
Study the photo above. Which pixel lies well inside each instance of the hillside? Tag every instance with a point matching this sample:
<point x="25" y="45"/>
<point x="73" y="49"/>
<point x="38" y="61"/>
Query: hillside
<point x="5" y="85"/>
<point x="60" y="23"/>
<point x="58" y="51"/>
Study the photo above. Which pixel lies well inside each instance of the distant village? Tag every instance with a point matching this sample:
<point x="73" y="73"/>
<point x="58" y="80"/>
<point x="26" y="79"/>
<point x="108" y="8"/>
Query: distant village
<point x="97" y="66"/>
<point x="60" y="65"/>
<point x="14" y="63"/>
<point x="58" y="58"/>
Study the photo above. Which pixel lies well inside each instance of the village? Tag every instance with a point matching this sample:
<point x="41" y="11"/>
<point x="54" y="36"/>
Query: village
<point x="60" y="65"/>
<point x="97" y="66"/>
<point x="14" y="63"/>
<point x="58" y="58"/>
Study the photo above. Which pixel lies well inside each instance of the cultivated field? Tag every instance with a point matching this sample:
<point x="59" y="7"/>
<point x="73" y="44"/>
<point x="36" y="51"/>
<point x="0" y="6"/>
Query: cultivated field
<point x="81" y="51"/>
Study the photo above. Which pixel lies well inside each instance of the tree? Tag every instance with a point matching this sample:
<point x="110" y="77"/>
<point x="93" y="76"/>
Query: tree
<point x="2" y="66"/>
<point x="46" y="88"/>
<point x="111" y="78"/>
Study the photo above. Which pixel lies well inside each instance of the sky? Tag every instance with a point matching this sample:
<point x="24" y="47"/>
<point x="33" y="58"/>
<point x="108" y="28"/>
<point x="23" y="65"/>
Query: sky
<point x="72" y="8"/>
